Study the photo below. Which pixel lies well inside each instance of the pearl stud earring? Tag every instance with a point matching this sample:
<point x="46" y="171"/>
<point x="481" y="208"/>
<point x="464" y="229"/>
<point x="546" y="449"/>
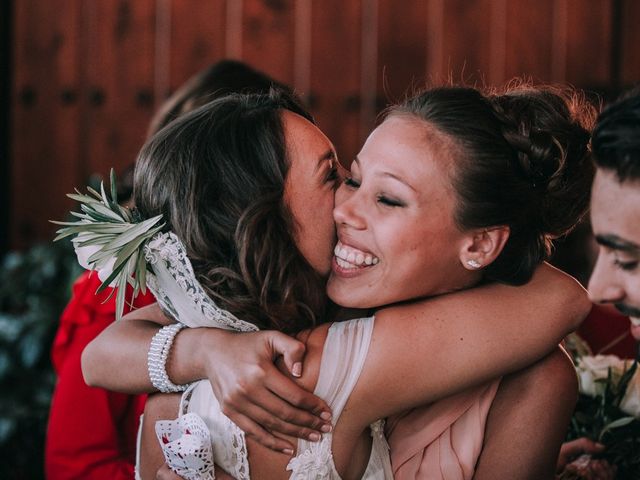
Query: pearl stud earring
<point x="473" y="263"/>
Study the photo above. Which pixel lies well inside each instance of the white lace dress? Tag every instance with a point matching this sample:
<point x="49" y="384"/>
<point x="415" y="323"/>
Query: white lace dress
<point x="343" y="356"/>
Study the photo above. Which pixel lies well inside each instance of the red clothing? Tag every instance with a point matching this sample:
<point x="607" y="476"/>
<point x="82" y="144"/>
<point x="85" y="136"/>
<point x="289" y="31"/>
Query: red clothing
<point x="606" y="331"/>
<point x="92" y="432"/>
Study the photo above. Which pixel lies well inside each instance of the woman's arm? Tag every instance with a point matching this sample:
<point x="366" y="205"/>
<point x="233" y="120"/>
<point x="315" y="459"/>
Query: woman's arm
<point x="125" y="344"/>
<point x="528" y="421"/>
<point x="431" y="349"/>
<point x="239" y="366"/>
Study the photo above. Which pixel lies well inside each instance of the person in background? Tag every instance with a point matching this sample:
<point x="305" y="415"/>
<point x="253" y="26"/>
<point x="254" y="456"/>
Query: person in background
<point x="605" y="330"/>
<point x="106" y="450"/>
<point x="615" y="218"/>
<point x="615" y="209"/>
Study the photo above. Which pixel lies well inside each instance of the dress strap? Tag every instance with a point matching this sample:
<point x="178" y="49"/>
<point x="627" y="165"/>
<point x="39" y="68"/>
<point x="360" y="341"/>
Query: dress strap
<point x="343" y="356"/>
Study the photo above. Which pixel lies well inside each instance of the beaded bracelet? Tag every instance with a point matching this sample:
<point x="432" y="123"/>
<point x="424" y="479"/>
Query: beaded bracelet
<point x="157" y="359"/>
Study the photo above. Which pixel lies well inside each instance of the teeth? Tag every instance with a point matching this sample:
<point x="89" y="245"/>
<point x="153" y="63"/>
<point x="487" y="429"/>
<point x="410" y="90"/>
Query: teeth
<point x="344" y="264"/>
<point x="635" y="321"/>
<point x="351" y="257"/>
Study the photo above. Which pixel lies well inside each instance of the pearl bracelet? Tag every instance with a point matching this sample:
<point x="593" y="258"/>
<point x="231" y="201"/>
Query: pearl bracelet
<point x="157" y="359"/>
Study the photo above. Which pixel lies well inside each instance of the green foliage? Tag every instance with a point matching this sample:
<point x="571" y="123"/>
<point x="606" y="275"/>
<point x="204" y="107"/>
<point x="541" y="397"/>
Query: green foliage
<point x="111" y="232"/>
<point x="34" y="288"/>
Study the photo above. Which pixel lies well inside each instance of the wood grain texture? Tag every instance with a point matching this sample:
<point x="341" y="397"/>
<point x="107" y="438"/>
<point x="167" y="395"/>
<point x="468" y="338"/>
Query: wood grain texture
<point x="467" y="51"/>
<point x="119" y="61"/>
<point x="629" y="30"/>
<point x="403" y="39"/>
<point x="588" y="43"/>
<point x="45" y="120"/>
<point x="268" y="37"/>
<point x="88" y="74"/>
<point x="335" y="73"/>
<point x="197" y="37"/>
<point x="529" y="34"/>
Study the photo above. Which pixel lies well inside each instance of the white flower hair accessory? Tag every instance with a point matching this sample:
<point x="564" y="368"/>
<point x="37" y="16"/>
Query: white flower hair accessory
<point x="109" y="239"/>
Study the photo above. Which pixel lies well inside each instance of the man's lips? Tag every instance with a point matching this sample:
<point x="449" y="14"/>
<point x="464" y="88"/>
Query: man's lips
<point x="628" y="310"/>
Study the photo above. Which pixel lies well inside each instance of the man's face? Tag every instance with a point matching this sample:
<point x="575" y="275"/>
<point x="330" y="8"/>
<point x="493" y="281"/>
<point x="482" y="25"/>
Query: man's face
<point x="615" y="217"/>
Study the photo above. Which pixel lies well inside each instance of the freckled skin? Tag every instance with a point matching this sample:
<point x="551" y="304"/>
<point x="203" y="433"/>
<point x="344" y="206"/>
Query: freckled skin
<point x="306" y="185"/>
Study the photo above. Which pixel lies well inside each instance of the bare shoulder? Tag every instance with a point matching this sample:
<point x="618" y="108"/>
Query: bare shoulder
<point x="528" y="419"/>
<point x="553" y="376"/>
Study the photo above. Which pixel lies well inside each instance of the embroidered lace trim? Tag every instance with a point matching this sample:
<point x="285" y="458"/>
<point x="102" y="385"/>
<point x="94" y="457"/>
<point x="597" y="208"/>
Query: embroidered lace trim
<point x="233" y="457"/>
<point x="168" y="248"/>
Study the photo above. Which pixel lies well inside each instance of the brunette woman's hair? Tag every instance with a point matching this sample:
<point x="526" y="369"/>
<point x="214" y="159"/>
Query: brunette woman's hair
<point x="220" y="79"/>
<point x="217" y="175"/>
<point x="522" y="160"/>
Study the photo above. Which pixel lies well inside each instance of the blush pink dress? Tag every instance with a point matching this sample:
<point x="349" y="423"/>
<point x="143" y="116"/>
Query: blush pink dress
<point x="441" y="441"/>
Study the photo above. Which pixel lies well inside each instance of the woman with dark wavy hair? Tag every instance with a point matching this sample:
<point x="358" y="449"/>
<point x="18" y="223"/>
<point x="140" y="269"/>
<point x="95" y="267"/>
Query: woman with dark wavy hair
<point x="398" y="241"/>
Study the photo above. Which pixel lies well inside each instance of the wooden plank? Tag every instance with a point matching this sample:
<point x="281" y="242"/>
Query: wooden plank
<point x="268" y="37"/>
<point x="588" y="43"/>
<point x="45" y="116"/>
<point x="197" y="37"/>
<point x="630" y="42"/>
<point x="120" y="56"/>
<point x="335" y="73"/>
<point x="464" y="32"/>
<point x="401" y="30"/>
<point x="529" y="34"/>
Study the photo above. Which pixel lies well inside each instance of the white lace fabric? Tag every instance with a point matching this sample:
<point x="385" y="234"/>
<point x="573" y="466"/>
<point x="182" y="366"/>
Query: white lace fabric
<point x="186" y="446"/>
<point x="174" y="284"/>
<point x="227" y="440"/>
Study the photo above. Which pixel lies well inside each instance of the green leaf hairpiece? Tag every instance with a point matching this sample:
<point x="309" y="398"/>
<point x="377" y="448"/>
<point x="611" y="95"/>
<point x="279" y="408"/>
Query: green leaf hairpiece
<point x="111" y="239"/>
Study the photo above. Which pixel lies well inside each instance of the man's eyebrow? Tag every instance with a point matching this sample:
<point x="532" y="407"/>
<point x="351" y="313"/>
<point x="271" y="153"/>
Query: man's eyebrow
<point x="616" y="243"/>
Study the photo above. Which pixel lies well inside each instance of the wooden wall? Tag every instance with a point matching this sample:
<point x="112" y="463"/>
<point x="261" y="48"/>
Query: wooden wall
<point x="88" y="74"/>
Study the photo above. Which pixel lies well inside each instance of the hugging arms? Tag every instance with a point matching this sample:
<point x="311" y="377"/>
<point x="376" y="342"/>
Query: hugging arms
<point x="462" y="252"/>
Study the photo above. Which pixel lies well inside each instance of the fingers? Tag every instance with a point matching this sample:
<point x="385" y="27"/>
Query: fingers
<point x="259" y="434"/>
<point x="298" y="397"/>
<point x="585" y="445"/>
<point x="278" y="416"/>
<point x="575" y="448"/>
<point x="292" y="351"/>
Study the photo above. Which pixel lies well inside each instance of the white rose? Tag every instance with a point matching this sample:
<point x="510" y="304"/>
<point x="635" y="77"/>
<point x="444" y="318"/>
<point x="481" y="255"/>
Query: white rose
<point x="630" y="404"/>
<point x="84" y="253"/>
<point x="590" y="369"/>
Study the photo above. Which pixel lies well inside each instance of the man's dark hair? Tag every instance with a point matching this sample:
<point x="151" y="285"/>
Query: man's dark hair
<point x="616" y="138"/>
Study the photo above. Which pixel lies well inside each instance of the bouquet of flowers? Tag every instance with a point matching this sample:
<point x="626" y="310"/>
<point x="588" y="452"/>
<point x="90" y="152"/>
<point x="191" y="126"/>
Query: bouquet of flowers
<point x="608" y="411"/>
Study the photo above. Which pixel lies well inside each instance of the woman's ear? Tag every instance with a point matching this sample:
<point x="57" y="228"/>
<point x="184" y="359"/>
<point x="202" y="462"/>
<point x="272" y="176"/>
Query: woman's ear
<point x="483" y="246"/>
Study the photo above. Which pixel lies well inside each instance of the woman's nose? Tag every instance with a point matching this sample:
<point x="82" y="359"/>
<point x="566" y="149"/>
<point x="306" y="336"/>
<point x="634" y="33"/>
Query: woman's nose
<point x="347" y="211"/>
